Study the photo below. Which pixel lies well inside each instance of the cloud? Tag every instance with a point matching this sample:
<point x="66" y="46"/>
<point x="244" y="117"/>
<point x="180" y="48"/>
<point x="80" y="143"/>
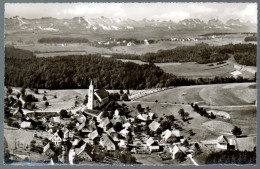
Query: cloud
<point x="93" y="9"/>
<point x="250" y="10"/>
<point x="174" y="15"/>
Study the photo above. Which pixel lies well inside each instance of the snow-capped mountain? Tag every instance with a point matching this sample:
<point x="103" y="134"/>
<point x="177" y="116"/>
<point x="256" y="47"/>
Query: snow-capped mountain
<point x="81" y="24"/>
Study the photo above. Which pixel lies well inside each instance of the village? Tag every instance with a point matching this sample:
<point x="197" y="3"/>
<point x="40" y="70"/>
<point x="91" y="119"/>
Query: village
<point x="104" y="131"/>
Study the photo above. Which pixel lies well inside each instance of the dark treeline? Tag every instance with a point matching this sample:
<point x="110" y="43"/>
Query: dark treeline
<point x="232" y="157"/>
<point x="200" y="53"/>
<point x="75" y="71"/>
<point x="63" y="40"/>
<point x="11" y="52"/>
<point x="250" y="38"/>
<point x="219" y="34"/>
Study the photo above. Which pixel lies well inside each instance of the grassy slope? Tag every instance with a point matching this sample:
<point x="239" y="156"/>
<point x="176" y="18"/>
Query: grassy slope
<point x="219" y="94"/>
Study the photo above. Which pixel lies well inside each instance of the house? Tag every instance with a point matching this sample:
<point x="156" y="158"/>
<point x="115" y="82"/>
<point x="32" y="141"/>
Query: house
<point x="105" y="124"/>
<point x="93" y="135"/>
<point x="174" y="149"/>
<point x="82" y="154"/>
<point x="71" y="134"/>
<point x="116" y="114"/>
<point x="107" y="143"/>
<point x="81" y="118"/>
<point x="18" y="113"/>
<point x="222" y="142"/>
<point x="154" y="126"/>
<point x="48" y="151"/>
<point x="142" y="117"/>
<point x="55" y="119"/>
<point x="29" y="113"/>
<point x="122" y="144"/>
<point x="26" y="125"/>
<point x="152" y="145"/>
<point x="170" y="136"/>
<point x="124" y="132"/>
<point x="126" y="125"/>
<point x="86" y="130"/>
<point x="151" y="115"/>
<point x="111" y="131"/>
<point x="80" y="127"/>
<point x="101" y="97"/>
<point x="116" y="120"/>
<point x="57" y="138"/>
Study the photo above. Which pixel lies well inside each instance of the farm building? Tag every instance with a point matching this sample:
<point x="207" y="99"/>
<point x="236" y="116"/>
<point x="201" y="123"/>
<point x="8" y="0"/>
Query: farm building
<point x="152" y="145"/>
<point x="222" y="142"/>
<point x="26" y="125"/>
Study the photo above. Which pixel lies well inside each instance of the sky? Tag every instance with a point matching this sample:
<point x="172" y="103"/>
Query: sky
<point x="137" y="11"/>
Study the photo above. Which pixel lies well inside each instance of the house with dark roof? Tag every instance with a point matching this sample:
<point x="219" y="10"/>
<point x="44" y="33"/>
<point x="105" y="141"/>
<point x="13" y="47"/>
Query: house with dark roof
<point x="101" y="97"/>
<point x="107" y="143"/>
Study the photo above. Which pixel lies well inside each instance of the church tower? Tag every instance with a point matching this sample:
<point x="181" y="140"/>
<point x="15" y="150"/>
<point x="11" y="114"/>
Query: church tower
<point x="90" y="96"/>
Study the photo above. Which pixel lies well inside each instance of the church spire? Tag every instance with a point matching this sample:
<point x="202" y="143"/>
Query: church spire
<point x="90" y="96"/>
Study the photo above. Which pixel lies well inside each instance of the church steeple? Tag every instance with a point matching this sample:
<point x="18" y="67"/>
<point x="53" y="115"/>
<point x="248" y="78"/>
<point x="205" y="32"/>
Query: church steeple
<point x="90" y="96"/>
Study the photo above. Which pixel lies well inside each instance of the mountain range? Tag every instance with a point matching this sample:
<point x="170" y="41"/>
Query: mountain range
<point x="108" y="24"/>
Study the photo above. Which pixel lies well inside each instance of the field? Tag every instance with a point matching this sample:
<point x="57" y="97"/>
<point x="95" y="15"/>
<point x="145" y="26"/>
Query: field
<point x="215" y="95"/>
<point x="194" y="70"/>
<point x="13" y="134"/>
<point x="30" y="42"/>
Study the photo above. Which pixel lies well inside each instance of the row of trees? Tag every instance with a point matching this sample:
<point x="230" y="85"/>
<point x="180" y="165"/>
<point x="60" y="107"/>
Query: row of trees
<point x="202" y="111"/>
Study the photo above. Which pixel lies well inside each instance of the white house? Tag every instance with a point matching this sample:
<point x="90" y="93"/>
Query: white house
<point x="152" y="145"/>
<point x="222" y="142"/>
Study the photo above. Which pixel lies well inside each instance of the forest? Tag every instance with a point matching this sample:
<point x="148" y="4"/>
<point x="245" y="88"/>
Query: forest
<point x="201" y="53"/>
<point x="250" y="38"/>
<point x="76" y="71"/>
<point x="63" y="40"/>
<point x="232" y="157"/>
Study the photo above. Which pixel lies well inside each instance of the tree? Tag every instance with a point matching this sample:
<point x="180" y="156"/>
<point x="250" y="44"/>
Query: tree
<point x="125" y="97"/>
<point x="236" y="131"/>
<point x="64" y="113"/>
<point x="46" y="104"/>
<point x="165" y="125"/>
<point x="181" y="112"/>
<point x="44" y="98"/>
<point x="23" y="91"/>
<point x="121" y="91"/>
<point x="185" y="115"/>
<point x="139" y="108"/>
<point x="9" y="90"/>
<point x="36" y="91"/>
<point x="171" y="118"/>
<point x="197" y="148"/>
<point x="127" y="158"/>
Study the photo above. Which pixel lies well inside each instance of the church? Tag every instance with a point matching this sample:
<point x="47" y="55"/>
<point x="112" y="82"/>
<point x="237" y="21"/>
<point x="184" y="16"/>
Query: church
<point x="98" y="98"/>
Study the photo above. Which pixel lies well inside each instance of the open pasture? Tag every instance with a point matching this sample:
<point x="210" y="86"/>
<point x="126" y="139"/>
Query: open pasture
<point x="217" y="94"/>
